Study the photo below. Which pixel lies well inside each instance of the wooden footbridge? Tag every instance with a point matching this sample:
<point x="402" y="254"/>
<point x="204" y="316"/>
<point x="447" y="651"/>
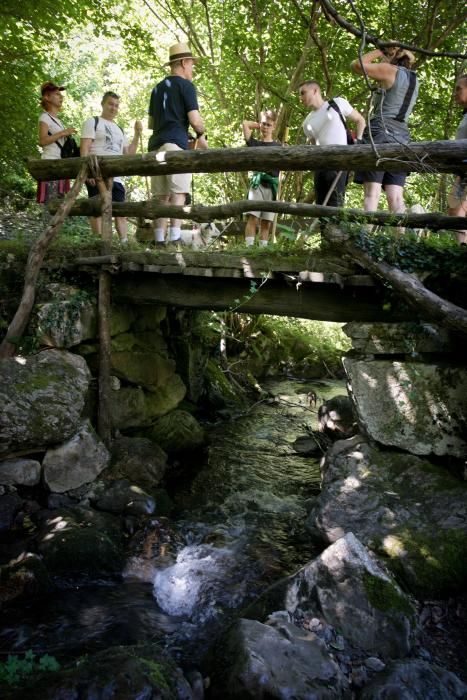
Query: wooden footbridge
<point x="340" y="284"/>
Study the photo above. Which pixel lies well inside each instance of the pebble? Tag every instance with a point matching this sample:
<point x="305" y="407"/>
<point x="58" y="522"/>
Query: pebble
<point x="374" y="664"/>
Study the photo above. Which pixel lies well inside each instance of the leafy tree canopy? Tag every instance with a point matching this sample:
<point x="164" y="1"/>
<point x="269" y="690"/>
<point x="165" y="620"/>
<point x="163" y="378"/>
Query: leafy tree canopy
<point x="254" y="54"/>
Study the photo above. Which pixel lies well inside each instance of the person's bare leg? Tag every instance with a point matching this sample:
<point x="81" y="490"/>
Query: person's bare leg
<point x="177" y="199"/>
<point x="372" y="191"/>
<point x="264" y="228"/>
<point x="121" y="224"/>
<point x="250" y="229"/>
<point x="396" y="204"/>
<point x="160" y="225"/>
<point x="460" y="210"/>
<point x="96" y="225"/>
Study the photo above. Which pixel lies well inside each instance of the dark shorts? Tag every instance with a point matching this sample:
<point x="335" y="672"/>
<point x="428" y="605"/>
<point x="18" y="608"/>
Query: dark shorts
<point x="382" y="177"/>
<point x="392" y="132"/>
<point x="118" y="191"/>
<point x="323" y="181"/>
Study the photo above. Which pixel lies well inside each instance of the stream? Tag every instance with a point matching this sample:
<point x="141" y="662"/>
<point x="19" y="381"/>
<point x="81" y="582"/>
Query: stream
<point x="238" y="527"/>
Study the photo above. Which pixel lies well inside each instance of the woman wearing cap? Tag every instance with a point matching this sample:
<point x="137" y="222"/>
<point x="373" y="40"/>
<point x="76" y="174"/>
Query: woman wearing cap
<point x="393" y="104"/>
<point x="52" y="136"/>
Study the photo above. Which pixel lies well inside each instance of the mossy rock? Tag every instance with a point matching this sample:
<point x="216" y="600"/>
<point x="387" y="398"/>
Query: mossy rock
<point x="123" y="671"/>
<point x="148" y="370"/>
<point x="82" y="542"/>
<point x="24" y="579"/>
<point x="177" y="431"/>
<point x="121" y="319"/>
<point x="428" y="563"/>
<point x="221" y="394"/>
<point x="148" y="318"/>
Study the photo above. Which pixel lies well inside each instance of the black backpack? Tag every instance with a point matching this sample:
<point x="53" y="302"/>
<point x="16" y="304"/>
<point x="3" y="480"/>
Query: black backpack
<point x="70" y="148"/>
<point x="350" y="138"/>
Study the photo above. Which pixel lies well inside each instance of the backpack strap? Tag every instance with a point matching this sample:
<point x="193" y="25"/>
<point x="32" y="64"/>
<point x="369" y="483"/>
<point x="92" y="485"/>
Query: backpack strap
<point x="332" y="103"/>
<point x="96" y="122"/>
<point x="407" y="97"/>
<point x="49" y="133"/>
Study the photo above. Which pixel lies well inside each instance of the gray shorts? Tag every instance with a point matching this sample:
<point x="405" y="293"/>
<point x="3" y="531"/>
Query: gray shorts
<point x="177" y="183"/>
<point x="261" y="194"/>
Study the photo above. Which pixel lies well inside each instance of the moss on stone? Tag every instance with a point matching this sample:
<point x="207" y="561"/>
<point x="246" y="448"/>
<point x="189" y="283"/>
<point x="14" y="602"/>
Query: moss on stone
<point x="430" y="565"/>
<point x="156" y="673"/>
<point x="384" y="596"/>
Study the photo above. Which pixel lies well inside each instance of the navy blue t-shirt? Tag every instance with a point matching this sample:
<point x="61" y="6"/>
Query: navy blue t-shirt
<point x="256" y="142"/>
<point x="171" y="100"/>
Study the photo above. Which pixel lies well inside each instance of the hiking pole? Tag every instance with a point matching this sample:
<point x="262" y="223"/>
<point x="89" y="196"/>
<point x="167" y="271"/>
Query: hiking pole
<point x="148" y="191"/>
<point x="279" y="192"/>
<point x="326" y="200"/>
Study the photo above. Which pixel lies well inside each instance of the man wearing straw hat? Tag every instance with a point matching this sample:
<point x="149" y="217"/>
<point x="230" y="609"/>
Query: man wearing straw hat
<point x="173" y="108"/>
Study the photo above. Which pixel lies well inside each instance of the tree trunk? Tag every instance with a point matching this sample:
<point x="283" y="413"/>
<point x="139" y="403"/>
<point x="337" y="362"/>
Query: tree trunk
<point x="33" y="266"/>
<point x="426" y="303"/>
<point x="444" y="156"/>
<point x="104" y="421"/>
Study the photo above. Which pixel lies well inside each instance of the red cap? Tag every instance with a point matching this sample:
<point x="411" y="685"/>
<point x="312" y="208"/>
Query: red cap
<point x="50" y="87"/>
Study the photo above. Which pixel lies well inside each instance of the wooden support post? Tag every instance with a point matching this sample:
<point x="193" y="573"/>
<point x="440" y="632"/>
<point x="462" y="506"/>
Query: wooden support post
<point x="104" y="420"/>
<point x="33" y="266"/>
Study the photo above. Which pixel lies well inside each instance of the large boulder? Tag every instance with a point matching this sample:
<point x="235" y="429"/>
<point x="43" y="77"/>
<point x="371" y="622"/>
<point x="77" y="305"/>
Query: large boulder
<point x="20" y="472"/>
<point x="42" y="397"/>
<point x="127" y="673"/>
<point x="177" y="431"/>
<point x="418" y="407"/>
<point x="76" y="462"/>
<point x="63" y="324"/>
<point x="412" y="512"/>
<point x="26" y="576"/>
<point x="398" y="338"/>
<point x="121" y="496"/>
<point x="336" y="417"/>
<point x="132" y="407"/>
<point x="146" y="369"/>
<point x="81" y="542"/>
<point x="414" y="679"/>
<point x="276" y="660"/>
<point x="350" y="591"/>
<point x="10" y="505"/>
<point x="138" y="459"/>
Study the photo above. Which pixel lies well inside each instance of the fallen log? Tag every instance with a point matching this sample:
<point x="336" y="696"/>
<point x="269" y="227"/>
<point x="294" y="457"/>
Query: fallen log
<point x="33" y="266"/>
<point x="422" y="156"/>
<point x="426" y="303"/>
<point x="201" y="213"/>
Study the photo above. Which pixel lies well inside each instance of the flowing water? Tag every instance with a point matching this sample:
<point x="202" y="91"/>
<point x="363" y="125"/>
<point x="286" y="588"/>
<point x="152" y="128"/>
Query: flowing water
<point x="240" y="527"/>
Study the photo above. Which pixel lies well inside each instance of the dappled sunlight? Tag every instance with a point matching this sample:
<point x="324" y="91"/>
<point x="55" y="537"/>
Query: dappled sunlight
<point x="161" y="156"/>
<point x="400" y="387"/>
<point x="59" y="526"/>
<point x="371" y="381"/>
<point x="20" y="359"/>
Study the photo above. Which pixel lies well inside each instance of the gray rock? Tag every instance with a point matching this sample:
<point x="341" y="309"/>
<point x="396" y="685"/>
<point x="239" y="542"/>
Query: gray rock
<point x="63" y="324"/>
<point x="418" y="407"/>
<point x="125" y="497"/>
<point x="10" y="504"/>
<point x="177" y="431"/>
<point x="336" y="417"/>
<point x="400" y="506"/>
<point x="42" y="399"/>
<point x="280" y="661"/>
<point x="131" y="407"/>
<point x="81" y="542"/>
<point x="76" y="462"/>
<point x="350" y="590"/>
<point x="24" y="577"/>
<point x="139" y="460"/>
<point x="374" y="664"/>
<point x="24" y="472"/>
<point x="398" y="338"/>
<point x="414" y="680"/>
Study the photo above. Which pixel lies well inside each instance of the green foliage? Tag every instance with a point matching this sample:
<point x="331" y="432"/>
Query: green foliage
<point x="16" y="670"/>
<point x="438" y="253"/>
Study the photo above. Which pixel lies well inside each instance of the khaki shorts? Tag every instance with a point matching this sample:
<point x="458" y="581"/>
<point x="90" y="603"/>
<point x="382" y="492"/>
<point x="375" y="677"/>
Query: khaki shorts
<point x="261" y="194"/>
<point x="458" y="195"/>
<point x="178" y="183"/>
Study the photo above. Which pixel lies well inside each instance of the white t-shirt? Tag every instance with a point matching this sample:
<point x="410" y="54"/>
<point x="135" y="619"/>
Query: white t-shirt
<point x="54" y="125"/>
<point x="108" y="138"/>
<point x="325" y="125"/>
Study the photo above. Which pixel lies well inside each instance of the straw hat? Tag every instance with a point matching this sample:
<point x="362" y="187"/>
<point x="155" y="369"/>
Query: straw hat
<point x="179" y="51"/>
